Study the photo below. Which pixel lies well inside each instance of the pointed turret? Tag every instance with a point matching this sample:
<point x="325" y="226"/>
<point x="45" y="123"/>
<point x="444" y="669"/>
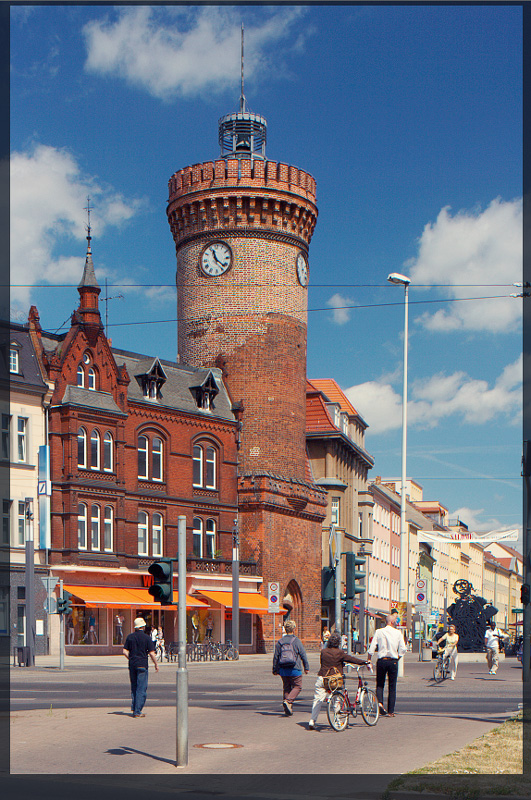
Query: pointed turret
<point x="89" y="288"/>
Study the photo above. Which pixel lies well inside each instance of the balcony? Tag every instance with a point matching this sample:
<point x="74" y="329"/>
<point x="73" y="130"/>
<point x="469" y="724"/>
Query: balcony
<point x="218" y="566"/>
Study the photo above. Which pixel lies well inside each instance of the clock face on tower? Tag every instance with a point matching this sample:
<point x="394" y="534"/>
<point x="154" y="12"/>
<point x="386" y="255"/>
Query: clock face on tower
<point x="216" y="259"/>
<point x="302" y="269"/>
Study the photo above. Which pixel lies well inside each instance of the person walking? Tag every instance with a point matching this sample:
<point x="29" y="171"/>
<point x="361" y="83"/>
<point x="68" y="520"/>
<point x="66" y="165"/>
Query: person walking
<point x="137" y="647"/>
<point x="450" y="640"/>
<point x="288" y="661"/>
<point x="493" y="637"/>
<point x="333" y="658"/>
<point x="391" y="647"/>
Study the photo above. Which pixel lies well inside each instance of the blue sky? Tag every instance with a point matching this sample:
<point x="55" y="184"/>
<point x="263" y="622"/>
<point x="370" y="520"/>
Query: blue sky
<point x="408" y="117"/>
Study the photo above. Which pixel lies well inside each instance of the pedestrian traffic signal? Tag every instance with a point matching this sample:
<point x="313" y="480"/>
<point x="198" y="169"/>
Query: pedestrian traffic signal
<point x="525" y="594"/>
<point x="353" y="574"/>
<point x="162" y="588"/>
<point x="64" y="603"/>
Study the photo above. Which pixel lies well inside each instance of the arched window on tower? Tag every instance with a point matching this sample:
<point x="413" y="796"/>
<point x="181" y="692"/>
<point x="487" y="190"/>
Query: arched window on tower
<point x="82" y="526"/>
<point x="92" y="378"/>
<point x="198" y="537"/>
<point x="95" y="450"/>
<point x="80" y="376"/>
<point x="108" y="454"/>
<point x="82" y="448"/>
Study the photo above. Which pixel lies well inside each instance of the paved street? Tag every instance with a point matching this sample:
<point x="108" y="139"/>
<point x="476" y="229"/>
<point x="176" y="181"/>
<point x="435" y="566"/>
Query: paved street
<point x="86" y="708"/>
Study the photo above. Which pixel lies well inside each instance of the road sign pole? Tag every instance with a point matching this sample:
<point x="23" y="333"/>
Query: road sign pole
<point x="61" y="631"/>
<point x="182" y="673"/>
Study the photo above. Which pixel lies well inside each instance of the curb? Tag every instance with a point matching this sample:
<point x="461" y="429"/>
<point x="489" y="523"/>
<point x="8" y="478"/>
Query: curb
<point x="409" y="795"/>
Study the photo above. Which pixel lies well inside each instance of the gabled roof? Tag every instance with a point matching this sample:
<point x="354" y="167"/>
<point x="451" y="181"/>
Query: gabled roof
<point x="29" y="373"/>
<point x="89" y="398"/>
<point x="336" y="395"/>
<point x="318" y="417"/>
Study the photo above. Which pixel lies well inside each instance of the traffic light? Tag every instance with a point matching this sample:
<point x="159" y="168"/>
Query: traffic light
<point x="64" y="603"/>
<point x="328" y="585"/>
<point x="525" y="594"/>
<point x="353" y="574"/>
<point x="162" y="588"/>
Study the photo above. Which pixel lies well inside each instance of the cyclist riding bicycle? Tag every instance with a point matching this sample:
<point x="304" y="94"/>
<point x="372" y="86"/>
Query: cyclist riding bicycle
<point x="447" y="643"/>
<point x="332" y="660"/>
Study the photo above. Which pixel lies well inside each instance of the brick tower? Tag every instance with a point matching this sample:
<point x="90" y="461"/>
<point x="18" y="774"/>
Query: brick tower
<point x="242" y="226"/>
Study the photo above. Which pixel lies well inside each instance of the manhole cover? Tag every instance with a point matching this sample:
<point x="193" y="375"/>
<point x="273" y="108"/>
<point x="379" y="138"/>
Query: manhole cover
<point x="218" y="745"/>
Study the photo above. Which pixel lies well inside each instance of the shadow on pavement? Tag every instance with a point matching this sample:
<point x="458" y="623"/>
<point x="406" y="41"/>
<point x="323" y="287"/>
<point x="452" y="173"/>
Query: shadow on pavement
<point x="123" y="751"/>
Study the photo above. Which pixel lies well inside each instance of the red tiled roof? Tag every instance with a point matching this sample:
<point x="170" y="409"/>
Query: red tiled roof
<point x="336" y="395"/>
<point x="317" y="416"/>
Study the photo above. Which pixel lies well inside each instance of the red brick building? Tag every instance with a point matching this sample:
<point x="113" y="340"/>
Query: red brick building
<point x="242" y="226"/>
<point x="135" y="442"/>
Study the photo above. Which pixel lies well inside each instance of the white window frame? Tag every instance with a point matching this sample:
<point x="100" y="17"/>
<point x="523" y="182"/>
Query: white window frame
<point x="21" y="524"/>
<point x="81" y="376"/>
<point x="157" y="527"/>
<point x="82" y="438"/>
<point x="197" y="460"/>
<point x="22" y="440"/>
<point x="144" y="450"/>
<point x="6" y="522"/>
<point x="210" y="538"/>
<point x="335" y="504"/>
<point x="213" y="462"/>
<point x="95" y="437"/>
<point x="95" y="526"/>
<point x="92" y="379"/>
<point x="142" y="533"/>
<point x="6" y="437"/>
<point x="157" y="451"/>
<point x="13" y="360"/>
<point x="108" y="452"/>
<point x="82" y="513"/>
<point x="108" y="529"/>
<point x="197" y="537"/>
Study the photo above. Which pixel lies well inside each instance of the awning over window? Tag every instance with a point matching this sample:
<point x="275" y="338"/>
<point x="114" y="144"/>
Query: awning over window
<point x="119" y="597"/>
<point x="252" y="602"/>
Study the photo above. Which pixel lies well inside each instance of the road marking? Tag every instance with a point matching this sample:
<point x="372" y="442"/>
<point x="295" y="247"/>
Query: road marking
<point x="49" y="691"/>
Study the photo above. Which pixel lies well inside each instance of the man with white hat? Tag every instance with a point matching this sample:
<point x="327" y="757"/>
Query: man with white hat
<point x="137" y="647"/>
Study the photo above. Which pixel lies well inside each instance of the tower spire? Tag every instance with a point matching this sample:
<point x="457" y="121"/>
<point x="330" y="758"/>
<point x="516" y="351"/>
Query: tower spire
<point x="242" y="94"/>
<point x="242" y="135"/>
<point x="89" y="276"/>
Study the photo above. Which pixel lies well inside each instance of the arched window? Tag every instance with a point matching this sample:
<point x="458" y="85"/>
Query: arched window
<point x="150" y="458"/>
<point x="95" y="450"/>
<point x="198" y="537"/>
<point x="210" y="538"/>
<point x="80" y="376"/>
<point x="108" y="452"/>
<point x="91" y="378"/>
<point x="143" y="457"/>
<point x="142" y="533"/>
<point x="156" y="535"/>
<point x="82" y="526"/>
<point x="157" y="459"/>
<point x="108" y="528"/>
<point x="95" y="527"/>
<point x="204" y="462"/>
<point x="198" y="465"/>
<point x="82" y="448"/>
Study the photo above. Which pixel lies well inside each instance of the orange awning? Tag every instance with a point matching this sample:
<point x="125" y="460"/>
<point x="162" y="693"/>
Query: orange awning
<point x="120" y="597"/>
<point x="252" y="602"/>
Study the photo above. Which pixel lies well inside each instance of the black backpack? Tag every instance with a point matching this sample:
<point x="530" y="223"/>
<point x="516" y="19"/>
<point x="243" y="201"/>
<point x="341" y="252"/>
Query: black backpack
<point x="287" y="656"/>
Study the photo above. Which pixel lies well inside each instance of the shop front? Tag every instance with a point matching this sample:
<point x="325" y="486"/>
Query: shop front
<point x="219" y="614"/>
<point x="103" y="616"/>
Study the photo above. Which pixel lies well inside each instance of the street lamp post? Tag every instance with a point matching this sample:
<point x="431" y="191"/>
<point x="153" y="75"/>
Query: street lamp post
<point x="401" y="280"/>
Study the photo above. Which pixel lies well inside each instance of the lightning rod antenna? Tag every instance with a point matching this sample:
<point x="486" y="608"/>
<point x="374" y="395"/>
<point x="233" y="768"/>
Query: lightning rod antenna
<point x="242" y="95"/>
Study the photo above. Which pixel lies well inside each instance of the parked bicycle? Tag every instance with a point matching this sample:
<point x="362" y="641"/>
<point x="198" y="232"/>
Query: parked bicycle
<point x="441" y="669"/>
<point x="340" y="706"/>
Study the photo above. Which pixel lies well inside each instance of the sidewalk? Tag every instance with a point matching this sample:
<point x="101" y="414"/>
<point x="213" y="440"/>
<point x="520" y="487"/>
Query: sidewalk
<point x="249" y="736"/>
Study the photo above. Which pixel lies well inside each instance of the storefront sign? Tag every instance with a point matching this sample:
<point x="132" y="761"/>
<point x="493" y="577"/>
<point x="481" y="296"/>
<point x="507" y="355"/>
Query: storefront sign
<point x="455" y="537"/>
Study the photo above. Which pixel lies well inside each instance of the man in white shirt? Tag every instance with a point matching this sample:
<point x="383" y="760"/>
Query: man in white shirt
<point x="391" y="647"/>
<point x="493" y="637"/>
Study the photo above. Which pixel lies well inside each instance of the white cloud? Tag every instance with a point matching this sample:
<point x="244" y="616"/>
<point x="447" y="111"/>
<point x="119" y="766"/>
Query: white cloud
<point x="183" y="52"/>
<point x="441" y="396"/>
<point x="477" y="521"/>
<point x="341" y="314"/>
<point x="473" y="247"/>
<point x="48" y="195"/>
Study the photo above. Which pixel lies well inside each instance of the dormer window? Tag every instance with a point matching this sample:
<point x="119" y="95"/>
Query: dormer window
<point x="153" y="380"/>
<point x="13" y="360"/>
<point x="205" y="392"/>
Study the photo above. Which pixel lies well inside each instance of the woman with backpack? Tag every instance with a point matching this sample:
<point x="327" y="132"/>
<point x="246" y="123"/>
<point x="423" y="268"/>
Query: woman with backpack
<point x="288" y="662"/>
<point x="333" y="657"/>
